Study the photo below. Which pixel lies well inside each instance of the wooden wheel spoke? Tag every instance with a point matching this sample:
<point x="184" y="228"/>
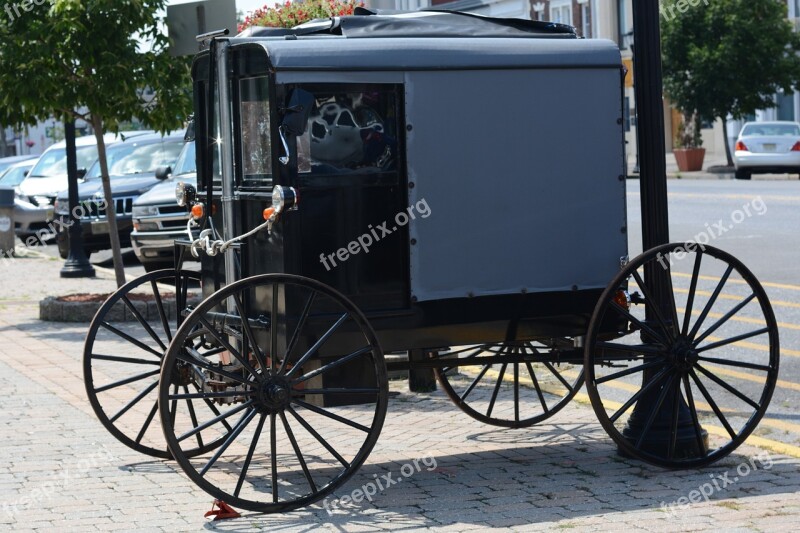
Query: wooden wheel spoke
<point x="273" y="452"/>
<point x="727" y="316"/>
<point x="710" y="303"/>
<point x="728" y="387"/>
<point x="298" y="453"/>
<point x="633" y="399"/>
<point x="334" y="390"/>
<point x="133" y="402"/>
<point x="215" y="420"/>
<point x="655" y="306"/>
<point x="557" y="374"/>
<point x="673" y="428"/>
<point x="237" y="429"/>
<point x="249" y="333"/>
<point x="131" y="360"/>
<point x="628" y="371"/>
<point x="197" y="359"/>
<point x="496" y="389"/>
<point x="687" y="316"/>
<point x="135" y="342"/>
<point x="474" y="382"/>
<point x="233" y="351"/>
<point x="333" y="364"/>
<point x="141" y="320"/>
<point x="126" y="381"/>
<point x="713" y="404"/>
<point x="655" y="410"/>
<point x="317" y="345"/>
<point x="698" y="432"/>
<point x="536" y="386"/>
<point x="208" y="395"/>
<point x="147" y="423"/>
<point x="731" y="340"/>
<point x="273" y="332"/>
<point x="161" y="313"/>
<point x="739" y="364"/>
<point x="641" y="325"/>
<point x="298" y="329"/>
<point x="193" y="417"/>
<point x="332" y="416"/>
<point x="250" y="453"/>
<point x="319" y="438"/>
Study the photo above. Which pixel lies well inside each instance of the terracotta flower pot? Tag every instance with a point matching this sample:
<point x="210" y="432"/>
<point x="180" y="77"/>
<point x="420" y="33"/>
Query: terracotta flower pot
<point x="689" y="159"/>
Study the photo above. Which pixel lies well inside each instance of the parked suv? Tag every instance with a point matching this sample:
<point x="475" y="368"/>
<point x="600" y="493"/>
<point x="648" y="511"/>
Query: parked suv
<point x="158" y="220"/>
<point x="48" y="177"/>
<point x="134" y="167"/>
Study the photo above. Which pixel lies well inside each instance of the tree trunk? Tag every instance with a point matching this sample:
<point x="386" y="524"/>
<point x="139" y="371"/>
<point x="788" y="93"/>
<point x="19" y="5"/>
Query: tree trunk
<point x="3" y="145"/>
<point x="727" y="144"/>
<point x="111" y="212"/>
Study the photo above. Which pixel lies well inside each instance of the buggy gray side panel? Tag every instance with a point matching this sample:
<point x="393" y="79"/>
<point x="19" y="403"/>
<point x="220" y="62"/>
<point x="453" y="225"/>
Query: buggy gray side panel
<point x="520" y="173"/>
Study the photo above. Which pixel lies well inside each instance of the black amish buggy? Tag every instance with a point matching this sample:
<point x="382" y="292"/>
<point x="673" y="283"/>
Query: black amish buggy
<point x="438" y="184"/>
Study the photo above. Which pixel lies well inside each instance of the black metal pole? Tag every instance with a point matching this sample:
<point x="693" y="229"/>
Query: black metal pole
<point x="655" y="224"/>
<point x="77" y="264"/>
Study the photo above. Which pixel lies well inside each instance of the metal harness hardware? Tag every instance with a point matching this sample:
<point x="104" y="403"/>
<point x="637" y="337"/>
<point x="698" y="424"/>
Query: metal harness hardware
<point x="213" y="247"/>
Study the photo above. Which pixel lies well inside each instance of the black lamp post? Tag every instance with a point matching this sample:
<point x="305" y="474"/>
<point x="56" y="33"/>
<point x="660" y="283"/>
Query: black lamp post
<point x="655" y="221"/>
<point x="77" y="264"/>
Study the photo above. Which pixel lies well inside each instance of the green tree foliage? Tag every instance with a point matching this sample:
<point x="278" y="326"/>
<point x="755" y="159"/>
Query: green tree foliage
<point x="727" y="57"/>
<point x="291" y="14"/>
<point x="104" y="61"/>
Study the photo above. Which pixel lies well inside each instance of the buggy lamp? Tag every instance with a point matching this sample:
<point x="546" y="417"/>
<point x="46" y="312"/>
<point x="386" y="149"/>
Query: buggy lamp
<point x="185" y="194"/>
<point x="198" y="210"/>
<point x="623" y="299"/>
<point x="284" y="199"/>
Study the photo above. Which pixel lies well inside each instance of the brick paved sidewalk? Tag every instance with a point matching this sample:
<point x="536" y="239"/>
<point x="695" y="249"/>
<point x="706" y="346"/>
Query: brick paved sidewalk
<point x="62" y="471"/>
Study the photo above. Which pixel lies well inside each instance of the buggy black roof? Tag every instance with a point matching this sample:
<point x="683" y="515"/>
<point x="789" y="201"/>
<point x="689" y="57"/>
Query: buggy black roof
<point x="376" y="24"/>
<point x="428" y="41"/>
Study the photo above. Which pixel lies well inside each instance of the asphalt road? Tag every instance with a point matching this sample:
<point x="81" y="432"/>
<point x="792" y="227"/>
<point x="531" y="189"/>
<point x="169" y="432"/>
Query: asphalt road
<point x="759" y="223"/>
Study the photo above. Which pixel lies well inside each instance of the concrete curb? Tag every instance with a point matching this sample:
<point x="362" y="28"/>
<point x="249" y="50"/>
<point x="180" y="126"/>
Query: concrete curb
<point x="51" y="309"/>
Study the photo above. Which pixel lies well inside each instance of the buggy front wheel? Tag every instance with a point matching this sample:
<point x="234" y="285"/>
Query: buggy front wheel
<point x="300" y="382"/>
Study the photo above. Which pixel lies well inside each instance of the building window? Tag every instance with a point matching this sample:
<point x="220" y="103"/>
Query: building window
<point x="538" y="11"/>
<point x="586" y="20"/>
<point x="561" y="12"/>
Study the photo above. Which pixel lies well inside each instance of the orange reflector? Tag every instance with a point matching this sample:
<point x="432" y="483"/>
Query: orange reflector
<point x="268" y="212"/>
<point x="136" y="226"/>
<point x="197" y="210"/>
<point x="621" y="299"/>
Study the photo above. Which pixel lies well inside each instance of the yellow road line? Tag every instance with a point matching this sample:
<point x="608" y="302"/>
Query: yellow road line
<point x="754" y="440"/>
<point x="741" y="281"/>
<point x="756" y="346"/>
<point x="774" y="303"/>
<point x="747" y="320"/>
<point x="777" y="198"/>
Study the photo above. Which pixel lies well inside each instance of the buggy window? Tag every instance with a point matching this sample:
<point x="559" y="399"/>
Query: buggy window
<point x="350" y="131"/>
<point x="255" y="120"/>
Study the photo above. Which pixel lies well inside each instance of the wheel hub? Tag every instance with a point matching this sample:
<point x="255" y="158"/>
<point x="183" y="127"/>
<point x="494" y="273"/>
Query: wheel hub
<point x="682" y="354"/>
<point x="274" y="394"/>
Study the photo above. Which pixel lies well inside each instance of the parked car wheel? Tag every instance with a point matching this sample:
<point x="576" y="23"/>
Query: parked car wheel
<point x="743" y="175"/>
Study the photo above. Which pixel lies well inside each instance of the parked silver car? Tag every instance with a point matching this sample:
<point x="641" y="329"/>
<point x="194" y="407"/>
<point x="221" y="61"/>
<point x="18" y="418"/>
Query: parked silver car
<point x="26" y="215"/>
<point x="764" y="147"/>
<point x="158" y="220"/>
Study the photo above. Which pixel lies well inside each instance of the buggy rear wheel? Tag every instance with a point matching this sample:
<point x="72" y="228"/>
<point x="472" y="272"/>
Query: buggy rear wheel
<point x="122" y="356"/>
<point x="301" y="385"/>
<point x="697" y="362"/>
<point x="511" y="384"/>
